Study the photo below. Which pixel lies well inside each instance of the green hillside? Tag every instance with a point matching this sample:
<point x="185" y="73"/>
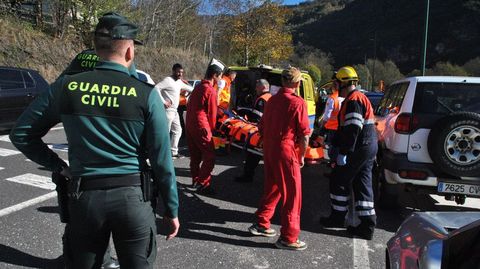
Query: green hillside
<point x="390" y="29"/>
<point x="24" y="46"/>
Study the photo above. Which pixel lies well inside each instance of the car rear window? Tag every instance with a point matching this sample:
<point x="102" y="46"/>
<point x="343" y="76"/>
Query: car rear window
<point x="445" y="98"/>
<point x="392" y="99"/>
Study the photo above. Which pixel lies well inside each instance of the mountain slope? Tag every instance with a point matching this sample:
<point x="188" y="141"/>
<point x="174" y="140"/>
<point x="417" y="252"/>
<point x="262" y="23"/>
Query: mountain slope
<point x="393" y="29"/>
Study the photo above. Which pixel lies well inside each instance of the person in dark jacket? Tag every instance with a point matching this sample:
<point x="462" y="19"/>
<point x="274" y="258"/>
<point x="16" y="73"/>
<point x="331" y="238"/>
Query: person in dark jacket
<point x="252" y="160"/>
<point x="113" y="123"/>
<point x="356" y="142"/>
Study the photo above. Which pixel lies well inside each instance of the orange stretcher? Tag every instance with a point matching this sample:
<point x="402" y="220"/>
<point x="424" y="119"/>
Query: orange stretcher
<point x="237" y="131"/>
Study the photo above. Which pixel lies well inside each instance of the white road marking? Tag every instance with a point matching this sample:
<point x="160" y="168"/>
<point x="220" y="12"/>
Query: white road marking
<point x="18" y="207"/>
<point x="8" y="152"/>
<point x="360" y="254"/>
<point x="56" y="128"/>
<point x="1" y="168"/>
<point x="4" y="138"/>
<point x="34" y="180"/>
<point x="61" y="147"/>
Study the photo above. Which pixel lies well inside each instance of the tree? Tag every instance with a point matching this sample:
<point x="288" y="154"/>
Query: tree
<point x="260" y="34"/>
<point x="446" y="69"/>
<point x="315" y="73"/>
<point x="85" y="14"/>
<point x="172" y="23"/>
<point x="364" y="76"/>
<point x="307" y="55"/>
<point x="472" y="67"/>
<point x="386" y="71"/>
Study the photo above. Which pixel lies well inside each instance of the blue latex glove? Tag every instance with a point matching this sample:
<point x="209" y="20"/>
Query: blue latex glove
<point x="341" y="160"/>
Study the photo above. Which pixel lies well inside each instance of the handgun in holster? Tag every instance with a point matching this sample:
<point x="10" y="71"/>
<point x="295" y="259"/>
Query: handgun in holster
<point x="149" y="187"/>
<point x="61" y="183"/>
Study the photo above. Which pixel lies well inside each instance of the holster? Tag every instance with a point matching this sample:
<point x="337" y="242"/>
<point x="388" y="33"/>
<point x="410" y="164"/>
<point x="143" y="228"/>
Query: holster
<point x="149" y="187"/>
<point x="147" y="184"/>
<point x="61" y="183"/>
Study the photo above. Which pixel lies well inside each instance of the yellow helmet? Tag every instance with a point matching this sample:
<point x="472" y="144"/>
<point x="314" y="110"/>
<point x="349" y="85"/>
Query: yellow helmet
<point x="346" y="74"/>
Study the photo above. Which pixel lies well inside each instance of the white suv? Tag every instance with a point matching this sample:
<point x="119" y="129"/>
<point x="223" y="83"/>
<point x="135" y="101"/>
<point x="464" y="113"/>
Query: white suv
<point x="429" y="137"/>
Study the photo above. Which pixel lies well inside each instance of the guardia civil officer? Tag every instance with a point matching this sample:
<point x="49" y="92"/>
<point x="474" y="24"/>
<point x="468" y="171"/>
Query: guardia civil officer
<point x="356" y="141"/>
<point x="83" y="62"/>
<point x="110" y="120"/>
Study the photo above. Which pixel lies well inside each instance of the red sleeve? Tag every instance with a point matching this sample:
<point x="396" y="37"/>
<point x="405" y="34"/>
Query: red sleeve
<point x="302" y="119"/>
<point x="212" y="108"/>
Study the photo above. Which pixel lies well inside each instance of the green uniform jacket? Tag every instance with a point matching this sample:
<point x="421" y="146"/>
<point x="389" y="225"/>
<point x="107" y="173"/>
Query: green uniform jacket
<point x="86" y="61"/>
<point x="112" y="121"/>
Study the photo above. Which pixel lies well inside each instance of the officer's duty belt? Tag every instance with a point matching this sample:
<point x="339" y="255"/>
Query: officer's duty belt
<point x="108" y="181"/>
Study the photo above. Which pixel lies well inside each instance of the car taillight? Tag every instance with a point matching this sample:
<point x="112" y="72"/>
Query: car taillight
<point x="406" y="123"/>
<point x="413" y="174"/>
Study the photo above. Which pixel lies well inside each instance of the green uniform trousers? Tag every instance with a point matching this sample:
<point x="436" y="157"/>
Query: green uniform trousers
<point x="121" y="211"/>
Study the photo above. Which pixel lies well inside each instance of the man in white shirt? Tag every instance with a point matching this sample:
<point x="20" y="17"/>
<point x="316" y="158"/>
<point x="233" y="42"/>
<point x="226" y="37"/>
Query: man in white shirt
<point x="169" y="89"/>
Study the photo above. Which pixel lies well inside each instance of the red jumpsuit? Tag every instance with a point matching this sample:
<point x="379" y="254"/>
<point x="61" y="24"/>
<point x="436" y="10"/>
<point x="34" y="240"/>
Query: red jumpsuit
<point x="200" y="122"/>
<point x="284" y="120"/>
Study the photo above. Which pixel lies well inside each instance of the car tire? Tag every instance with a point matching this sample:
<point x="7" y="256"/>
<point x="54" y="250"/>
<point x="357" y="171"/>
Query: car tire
<point x="454" y="144"/>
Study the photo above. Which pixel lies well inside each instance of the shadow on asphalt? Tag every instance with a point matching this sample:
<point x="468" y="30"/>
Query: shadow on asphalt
<point x="49" y="209"/>
<point x="199" y="216"/>
<point x="196" y="214"/>
<point x="11" y="256"/>
<point x="200" y="219"/>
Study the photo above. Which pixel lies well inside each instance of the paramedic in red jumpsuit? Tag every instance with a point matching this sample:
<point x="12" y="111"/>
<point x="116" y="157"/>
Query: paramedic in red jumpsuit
<point x="200" y="122"/>
<point x="284" y="124"/>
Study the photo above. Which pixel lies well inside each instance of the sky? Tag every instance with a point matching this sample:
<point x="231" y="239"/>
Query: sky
<point x="292" y="2"/>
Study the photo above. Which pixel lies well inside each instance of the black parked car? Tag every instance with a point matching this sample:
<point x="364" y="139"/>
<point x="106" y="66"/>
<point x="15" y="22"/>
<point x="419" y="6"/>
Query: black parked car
<point x="18" y="88"/>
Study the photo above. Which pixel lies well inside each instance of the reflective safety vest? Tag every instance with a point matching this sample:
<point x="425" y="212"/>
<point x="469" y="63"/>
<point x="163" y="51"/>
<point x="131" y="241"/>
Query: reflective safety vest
<point x="359" y="113"/>
<point x="332" y="122"/>
<point x="224" y="94"/>
<point x="260" y="104"/>
<point x="355" y="123"/>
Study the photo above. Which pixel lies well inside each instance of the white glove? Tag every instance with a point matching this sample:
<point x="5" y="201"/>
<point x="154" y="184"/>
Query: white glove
<point x="341" y="160"/>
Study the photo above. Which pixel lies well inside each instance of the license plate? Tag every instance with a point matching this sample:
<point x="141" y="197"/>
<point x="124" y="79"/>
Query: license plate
<point x="447" y="187"/>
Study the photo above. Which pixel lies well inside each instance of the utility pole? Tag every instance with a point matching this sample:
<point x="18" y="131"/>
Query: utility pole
<point x="425" y="38"/>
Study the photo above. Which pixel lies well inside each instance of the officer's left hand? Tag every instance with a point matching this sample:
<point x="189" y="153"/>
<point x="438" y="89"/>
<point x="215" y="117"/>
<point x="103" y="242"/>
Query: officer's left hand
<point x="341" y="160"/>
<point x="173" y="225"/>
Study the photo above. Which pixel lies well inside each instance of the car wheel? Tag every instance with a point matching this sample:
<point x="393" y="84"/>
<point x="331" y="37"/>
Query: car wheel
<point x="454" y="144"/>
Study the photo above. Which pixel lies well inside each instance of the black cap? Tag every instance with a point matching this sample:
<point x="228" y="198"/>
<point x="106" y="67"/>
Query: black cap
<point x="116" y="26"/>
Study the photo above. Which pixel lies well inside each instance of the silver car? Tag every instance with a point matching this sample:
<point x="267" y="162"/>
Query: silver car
<point x="436" y="240"/>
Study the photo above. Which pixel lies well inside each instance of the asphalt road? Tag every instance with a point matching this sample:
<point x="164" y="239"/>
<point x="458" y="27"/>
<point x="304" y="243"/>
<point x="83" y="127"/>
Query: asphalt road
<point x="213" y="230"/>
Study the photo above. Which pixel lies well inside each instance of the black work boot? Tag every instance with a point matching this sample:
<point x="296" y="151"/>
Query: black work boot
<point x="335" y="220"/>
<point x="365" y="229"/>
<point x="360" y="231"/>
